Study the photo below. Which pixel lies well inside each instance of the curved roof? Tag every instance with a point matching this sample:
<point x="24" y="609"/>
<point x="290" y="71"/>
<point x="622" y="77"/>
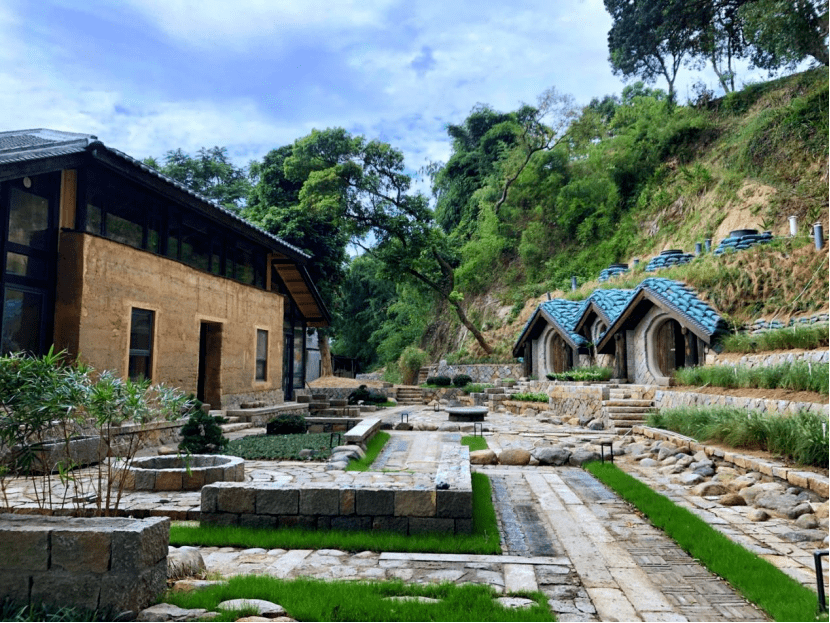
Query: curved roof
<point x="674" y="297"/>
<point x="562" y="315"/>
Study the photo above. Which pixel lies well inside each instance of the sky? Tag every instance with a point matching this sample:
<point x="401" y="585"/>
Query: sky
<point x="148" y="76"/>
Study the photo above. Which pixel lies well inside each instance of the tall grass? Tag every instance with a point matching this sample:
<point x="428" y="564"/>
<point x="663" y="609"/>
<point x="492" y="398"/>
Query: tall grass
<point x="807" y="337"/>
<point x="760" y="582"/>
<point x="797" y="376"/>
<point x="801" y="437"/>
<point x="592" y="373"/>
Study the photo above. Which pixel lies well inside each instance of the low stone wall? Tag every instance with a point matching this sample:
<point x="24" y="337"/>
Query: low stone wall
<point x="806" y="480"/>
<point x="480" y="373"/>
<point x="115" y="564"/>
<point x="417" y="503"/>
<point x="664" y="399"/>
<point x="761" y="325"/>
<point x="771" y="359"/>
<point x="234" y="401"/>
<point x="343" y="392"/>
<point x="262" y="415"/>
<point x="183" y="473"/>
<point x="442" y="393"/>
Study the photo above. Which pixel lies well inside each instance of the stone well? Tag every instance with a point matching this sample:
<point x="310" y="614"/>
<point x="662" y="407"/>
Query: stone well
<point x="183" y="473"/>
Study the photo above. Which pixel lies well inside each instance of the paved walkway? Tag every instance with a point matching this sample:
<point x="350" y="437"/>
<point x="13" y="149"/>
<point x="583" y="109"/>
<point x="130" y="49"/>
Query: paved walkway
<point x="562" y="533"/>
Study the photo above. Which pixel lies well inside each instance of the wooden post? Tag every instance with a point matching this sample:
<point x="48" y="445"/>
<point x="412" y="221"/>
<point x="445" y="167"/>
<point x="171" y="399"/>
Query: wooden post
<point x="690" y="350"/>
<point x="620" y="356"/>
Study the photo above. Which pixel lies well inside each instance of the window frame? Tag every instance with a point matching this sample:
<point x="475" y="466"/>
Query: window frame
<point x="261" y="359"/>
<point x="147" y="353"/>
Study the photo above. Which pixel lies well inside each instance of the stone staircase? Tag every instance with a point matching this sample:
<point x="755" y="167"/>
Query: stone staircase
<point x="409" y="395"/>
<point x="626" y="407"/>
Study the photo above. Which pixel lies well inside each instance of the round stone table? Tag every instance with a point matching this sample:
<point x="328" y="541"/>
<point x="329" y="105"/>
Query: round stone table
<point x="467" y="414"/>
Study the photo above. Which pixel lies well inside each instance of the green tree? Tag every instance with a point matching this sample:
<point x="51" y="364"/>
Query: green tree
<point x="785" y="32"/>
<point x="210" y="173"/>
<point x="362" y="185"/>
<point x="649" y="39"/>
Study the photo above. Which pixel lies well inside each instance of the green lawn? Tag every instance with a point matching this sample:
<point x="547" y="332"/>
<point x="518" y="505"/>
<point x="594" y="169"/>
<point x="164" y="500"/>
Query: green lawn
<point x="759" y="581"/>
<point x="317" y="600"/>
<point x="475" y="443"/>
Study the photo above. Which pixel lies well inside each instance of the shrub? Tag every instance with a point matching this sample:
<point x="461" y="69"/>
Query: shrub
<point x="363" y="395"/>
<point x="530" y="397"/>
<point x="807" y="337"/>
<point x="475" y="388"/>
<point x="410" y="363"/>
<point x="582" y="374"/>
<point x="796" y="376"/>
<point x="460" y="380"/>
<point x="202" y="434"/>
<point x="286" y="424"/>
<point x="440" y="381"/>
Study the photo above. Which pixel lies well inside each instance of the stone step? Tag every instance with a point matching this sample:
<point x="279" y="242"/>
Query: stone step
<point x="230" y="428"/>
<point x="629" y="417"/>
<point x="631" y="402"/>
<point x="231" y="419"/>
<point x="318" y="406"/>
<point x="628" y="409"/>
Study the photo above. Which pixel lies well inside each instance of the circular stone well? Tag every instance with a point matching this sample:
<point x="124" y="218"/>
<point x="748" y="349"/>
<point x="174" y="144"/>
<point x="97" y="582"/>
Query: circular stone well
<point x="183" y="473"/>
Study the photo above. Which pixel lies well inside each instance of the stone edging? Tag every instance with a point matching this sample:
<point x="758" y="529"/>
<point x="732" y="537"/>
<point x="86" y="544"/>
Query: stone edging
<point x="805" y="480"/>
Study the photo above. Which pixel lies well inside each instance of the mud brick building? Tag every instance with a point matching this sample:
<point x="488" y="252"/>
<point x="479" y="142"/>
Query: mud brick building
<point x="111" y="261"/>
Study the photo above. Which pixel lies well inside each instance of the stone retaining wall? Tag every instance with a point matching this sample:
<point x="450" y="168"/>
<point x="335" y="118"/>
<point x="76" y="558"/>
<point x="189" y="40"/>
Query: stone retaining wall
<point x="343" y="392"/>
<point x="806" y="480"/>
<point x="411" y="504"/>
<point x="115" y="564"/>
<point x="664" y="399"/>
<point x="772" y="359"/>
<point x="480" y="373"/>
<point x="262" y="415"/>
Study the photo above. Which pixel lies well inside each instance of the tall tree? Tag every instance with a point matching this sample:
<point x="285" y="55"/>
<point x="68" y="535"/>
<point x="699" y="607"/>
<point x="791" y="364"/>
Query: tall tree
<point x="785" y="32"/>
<point x="648" y="41"/>
<point x="209" y="173"/>
<point x="362" y="185"/>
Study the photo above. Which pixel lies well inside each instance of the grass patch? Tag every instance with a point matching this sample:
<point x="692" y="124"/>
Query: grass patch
<point x="529" y="397"/>
<point x="281" y="447"/>
<point x="593" y="373"/>
<point x="307" y="599"/>
<point x="760" y="582"/>
<point x="475" y="388"/>
<point x="483" y="540"/>
<point x="807" y="337"/>
<point x="474" y="443"/>
<point x="802" y="437"/>
<point x="373" y="448"/>
<point x="797" y="376"/>
<point x="11" y="610"/>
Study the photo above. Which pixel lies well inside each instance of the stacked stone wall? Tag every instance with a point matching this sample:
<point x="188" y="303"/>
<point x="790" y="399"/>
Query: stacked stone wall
<point x="769" y="359"/>
<point x="111" y="564"/>
<point x="418" y="503"/>
<point x="480" y="373"/>
<point x="664" y="399"/>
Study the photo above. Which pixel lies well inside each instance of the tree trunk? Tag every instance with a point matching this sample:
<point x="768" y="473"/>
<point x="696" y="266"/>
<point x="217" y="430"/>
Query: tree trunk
<point x="476" y="333"/>
<point x="326" y="368"/>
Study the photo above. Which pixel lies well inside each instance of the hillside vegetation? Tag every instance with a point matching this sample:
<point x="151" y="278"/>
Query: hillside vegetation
<point x="636" y="178"/>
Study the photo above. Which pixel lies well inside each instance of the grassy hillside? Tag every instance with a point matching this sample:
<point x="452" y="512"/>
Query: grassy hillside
<point x="748" y="160"/>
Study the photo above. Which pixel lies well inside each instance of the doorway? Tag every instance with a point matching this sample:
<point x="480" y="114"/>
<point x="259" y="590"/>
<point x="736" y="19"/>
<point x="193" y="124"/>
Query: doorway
<point x="209" y="383"/>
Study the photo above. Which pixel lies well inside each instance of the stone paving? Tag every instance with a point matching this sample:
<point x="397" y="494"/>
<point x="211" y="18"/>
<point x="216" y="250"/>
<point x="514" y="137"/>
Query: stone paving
<point x="562" y="532"/>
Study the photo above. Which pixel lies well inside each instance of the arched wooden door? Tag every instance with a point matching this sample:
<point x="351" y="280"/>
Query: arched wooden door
<point x="669" y="347"/>
<point x="560" y="354"/>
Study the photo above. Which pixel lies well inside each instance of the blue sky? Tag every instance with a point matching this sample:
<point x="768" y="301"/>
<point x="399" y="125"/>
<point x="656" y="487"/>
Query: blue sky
<point x="147" y="76"/>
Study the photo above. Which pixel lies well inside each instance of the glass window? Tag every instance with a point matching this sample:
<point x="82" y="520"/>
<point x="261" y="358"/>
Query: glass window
<point x="22" y="313"/>
<point x="93" y="219"/>
<point x="216" y="256"/>
<point x="28" y="219"/>
<point x="299" y="357"/>
<point x="196" y="248"/>
<point x="141" y="344"/>
<point x="261" y="355"/>
<point x="25" y="265"/>
<point x="173" y="236"/>
<point x="125" y="229"/>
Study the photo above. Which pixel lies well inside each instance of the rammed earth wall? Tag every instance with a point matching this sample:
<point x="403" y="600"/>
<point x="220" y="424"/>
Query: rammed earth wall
<point x="111" y="564"/>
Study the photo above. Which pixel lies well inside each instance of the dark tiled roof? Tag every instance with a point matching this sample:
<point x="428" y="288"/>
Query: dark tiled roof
<point x="684" y="300"/>
<point x="29" y="145"/>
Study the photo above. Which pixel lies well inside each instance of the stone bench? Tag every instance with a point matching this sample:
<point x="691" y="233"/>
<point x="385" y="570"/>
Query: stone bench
<point x="409" y="504"/>
<point x="364" y="431"/>
<point x="106" y="563"/>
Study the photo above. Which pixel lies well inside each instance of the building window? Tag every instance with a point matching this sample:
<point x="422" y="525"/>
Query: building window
<point x="141" y="344"/>
<point x="261" y="355"/>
